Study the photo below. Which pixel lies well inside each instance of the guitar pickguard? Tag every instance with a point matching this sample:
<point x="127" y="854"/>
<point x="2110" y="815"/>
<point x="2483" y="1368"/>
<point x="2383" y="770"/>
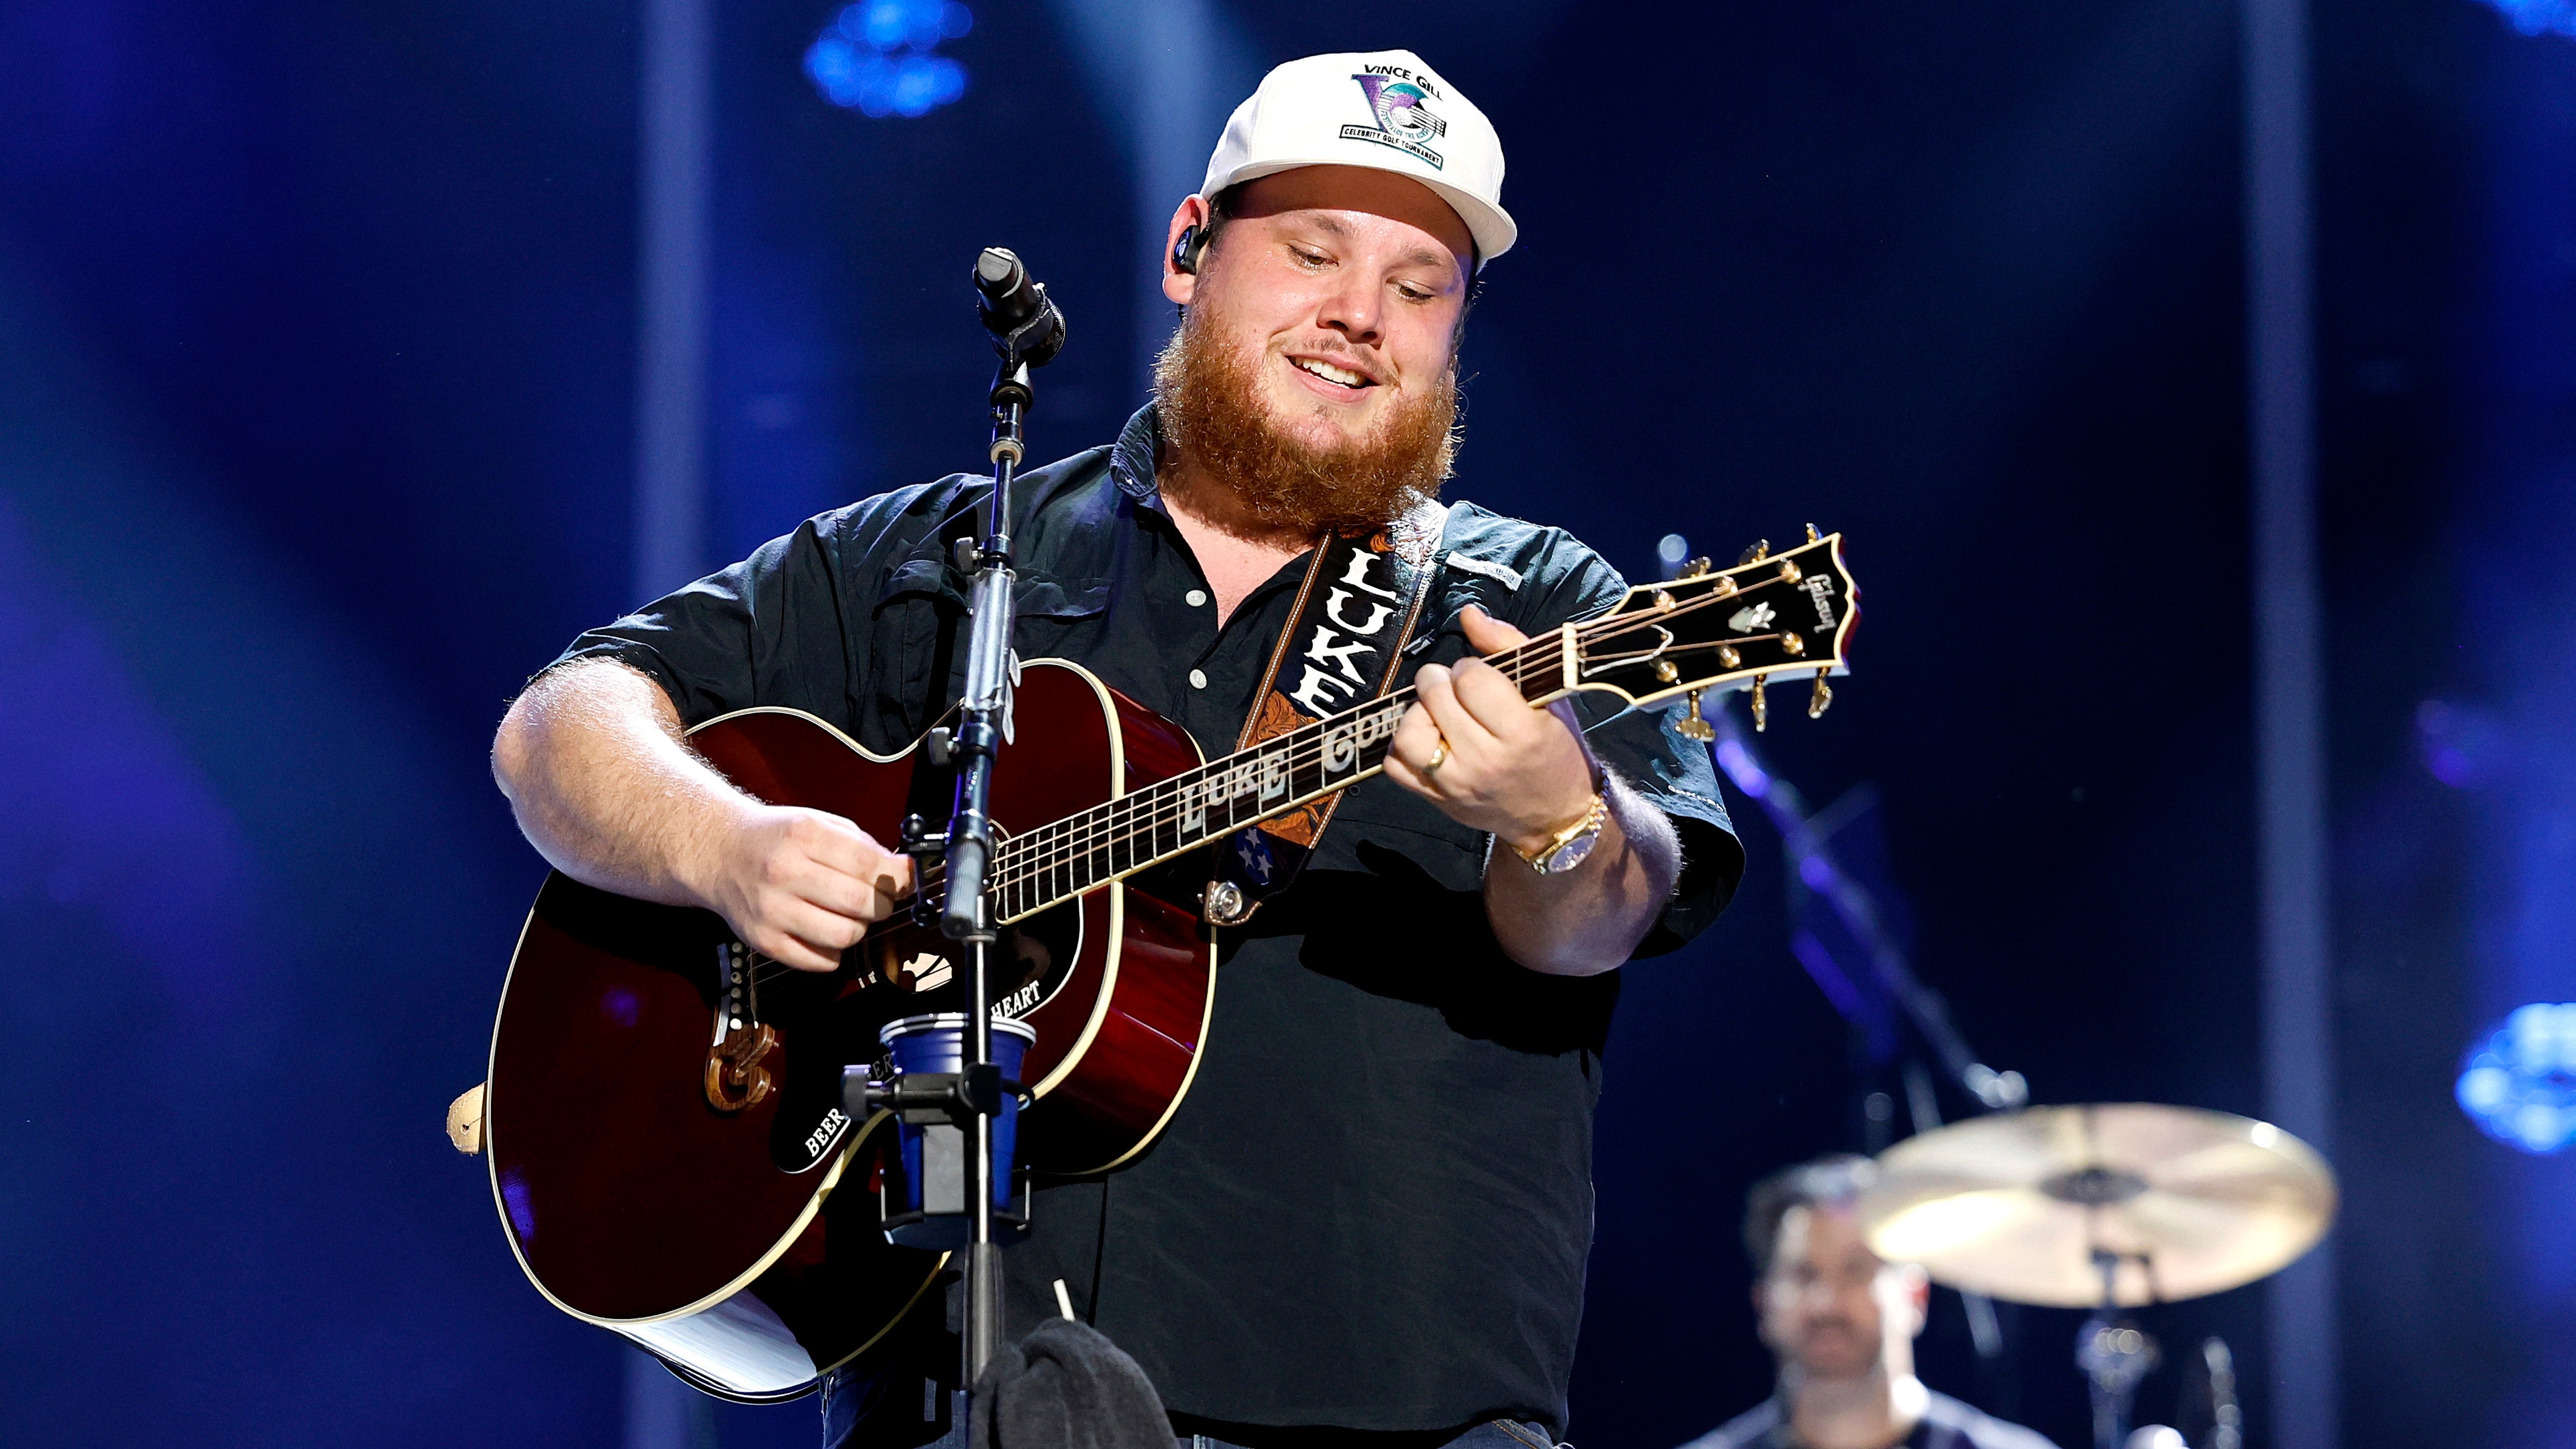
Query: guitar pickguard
<point x="1038" y="956"/>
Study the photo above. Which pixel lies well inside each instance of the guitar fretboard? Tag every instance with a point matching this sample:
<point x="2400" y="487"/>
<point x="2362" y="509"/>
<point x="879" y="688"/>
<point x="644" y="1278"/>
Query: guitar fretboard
<point x="1633" y="649"/>
<point x="1056" y="862"/>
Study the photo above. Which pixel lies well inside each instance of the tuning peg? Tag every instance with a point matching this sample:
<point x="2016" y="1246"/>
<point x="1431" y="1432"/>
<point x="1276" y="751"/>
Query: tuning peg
<point x="1822" y="697"/>
<point x="1694" y="725"/>
<point x="1761" y="704"/>
<point x="1791" y="644"/>
<point x="1760" y="550"/>
<point x="1813" y="536"/>
<point x="1694" y="568"/>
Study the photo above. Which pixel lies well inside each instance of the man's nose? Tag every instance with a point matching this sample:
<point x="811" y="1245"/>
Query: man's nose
<point x="1353" y="309"/>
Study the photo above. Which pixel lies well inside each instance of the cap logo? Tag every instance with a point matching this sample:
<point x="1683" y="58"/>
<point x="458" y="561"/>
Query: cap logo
<point x="1403" y="121"/>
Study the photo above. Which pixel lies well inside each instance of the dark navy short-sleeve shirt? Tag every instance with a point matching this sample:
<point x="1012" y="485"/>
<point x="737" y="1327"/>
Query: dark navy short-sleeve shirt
<point x="1373" y="1208"/>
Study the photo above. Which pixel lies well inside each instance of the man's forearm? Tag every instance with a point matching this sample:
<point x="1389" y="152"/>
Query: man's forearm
<point x="1589" y="919"/>
<point x="592" y="761"/>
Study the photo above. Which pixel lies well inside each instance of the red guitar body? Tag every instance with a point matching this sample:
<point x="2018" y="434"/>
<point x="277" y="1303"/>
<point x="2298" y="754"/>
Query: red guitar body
<point x="663" y="1117"/>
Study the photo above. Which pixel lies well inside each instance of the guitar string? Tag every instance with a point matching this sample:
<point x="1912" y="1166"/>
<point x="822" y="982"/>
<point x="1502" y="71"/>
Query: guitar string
<point x="1011" y="868"/>
<point x="1102" y="827"/>
<point x="1108" y="828"/>
<point x="1146" y="814"/>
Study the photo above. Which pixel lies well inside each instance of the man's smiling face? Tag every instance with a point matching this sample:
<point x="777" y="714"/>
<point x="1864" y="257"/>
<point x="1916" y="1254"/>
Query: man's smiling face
<point x="1339" y="289"/>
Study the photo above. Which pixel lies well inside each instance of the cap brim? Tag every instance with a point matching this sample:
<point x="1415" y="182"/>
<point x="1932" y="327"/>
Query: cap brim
<point x="1489" y="225"/>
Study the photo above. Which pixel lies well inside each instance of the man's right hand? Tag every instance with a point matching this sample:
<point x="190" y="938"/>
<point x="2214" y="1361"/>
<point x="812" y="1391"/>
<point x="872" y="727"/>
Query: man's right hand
<point x="799" y="886"/>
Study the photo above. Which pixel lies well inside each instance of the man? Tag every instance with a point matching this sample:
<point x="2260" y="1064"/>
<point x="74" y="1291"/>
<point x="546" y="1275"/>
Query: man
<point x="1372" y="1209"/>
<point x="1842" y="1324"/>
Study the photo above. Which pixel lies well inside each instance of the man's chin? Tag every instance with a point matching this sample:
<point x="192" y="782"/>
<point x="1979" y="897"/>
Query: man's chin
<point x="1322" y="425"/>
<point x="1836" y="1358"/>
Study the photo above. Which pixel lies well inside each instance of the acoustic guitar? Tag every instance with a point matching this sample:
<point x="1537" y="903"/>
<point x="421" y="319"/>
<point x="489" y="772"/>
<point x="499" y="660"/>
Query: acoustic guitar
<point x="663" y="1117"/>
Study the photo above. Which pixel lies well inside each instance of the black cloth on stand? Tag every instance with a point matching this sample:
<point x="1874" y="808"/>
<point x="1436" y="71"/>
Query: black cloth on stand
<point x="1066" y="1386"/>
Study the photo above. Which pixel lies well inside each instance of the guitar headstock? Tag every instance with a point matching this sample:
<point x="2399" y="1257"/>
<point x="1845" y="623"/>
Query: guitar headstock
<point x="1783" y="616"/>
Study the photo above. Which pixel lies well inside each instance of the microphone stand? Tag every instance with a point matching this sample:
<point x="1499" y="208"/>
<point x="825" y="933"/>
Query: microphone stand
<point x="1027" y="332"/>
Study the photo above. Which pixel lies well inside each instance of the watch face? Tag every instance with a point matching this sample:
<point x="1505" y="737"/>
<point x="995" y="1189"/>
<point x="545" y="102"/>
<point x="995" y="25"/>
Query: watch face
<point x="1572" y="853"/>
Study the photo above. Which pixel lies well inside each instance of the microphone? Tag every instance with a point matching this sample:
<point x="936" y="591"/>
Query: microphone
<point x="1016" y="309"/>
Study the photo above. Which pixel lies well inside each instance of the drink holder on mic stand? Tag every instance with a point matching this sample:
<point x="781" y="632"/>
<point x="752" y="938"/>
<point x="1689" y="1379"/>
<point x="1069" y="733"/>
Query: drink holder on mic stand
<point x="948" y="1092"/>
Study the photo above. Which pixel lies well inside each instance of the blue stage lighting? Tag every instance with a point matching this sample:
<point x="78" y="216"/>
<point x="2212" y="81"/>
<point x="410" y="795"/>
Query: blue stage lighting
<point x="2519" y="1085"/>
<point x="878" y="57"/>
<point x="2539" y="17"/>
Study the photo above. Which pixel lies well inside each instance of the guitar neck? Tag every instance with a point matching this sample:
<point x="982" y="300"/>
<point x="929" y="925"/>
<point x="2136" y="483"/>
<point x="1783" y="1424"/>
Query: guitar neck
<point x="1040" y="868"/>
<point x="1702" y="630"/>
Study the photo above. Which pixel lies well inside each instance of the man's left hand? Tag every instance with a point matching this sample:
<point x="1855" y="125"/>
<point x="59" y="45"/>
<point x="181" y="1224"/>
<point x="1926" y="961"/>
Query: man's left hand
<point x="1522" y="774"/>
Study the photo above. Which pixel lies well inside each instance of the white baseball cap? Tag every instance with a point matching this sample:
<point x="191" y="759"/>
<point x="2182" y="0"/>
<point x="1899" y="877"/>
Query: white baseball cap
<point x="1379" y="108"/>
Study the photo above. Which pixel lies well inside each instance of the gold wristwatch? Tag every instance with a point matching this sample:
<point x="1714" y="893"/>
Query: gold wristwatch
<point x="1568" y="847"/>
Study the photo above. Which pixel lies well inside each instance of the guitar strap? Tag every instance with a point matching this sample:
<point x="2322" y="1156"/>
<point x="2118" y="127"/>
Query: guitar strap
<point x="1345" y="640"/>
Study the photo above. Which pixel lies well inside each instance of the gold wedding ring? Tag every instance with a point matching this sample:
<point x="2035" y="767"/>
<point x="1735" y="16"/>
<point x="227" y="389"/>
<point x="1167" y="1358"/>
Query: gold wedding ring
<point x="1439" y="756"/>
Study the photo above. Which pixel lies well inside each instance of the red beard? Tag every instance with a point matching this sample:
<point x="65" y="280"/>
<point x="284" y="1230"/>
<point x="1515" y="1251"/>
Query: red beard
<point x="1211" y="408"/>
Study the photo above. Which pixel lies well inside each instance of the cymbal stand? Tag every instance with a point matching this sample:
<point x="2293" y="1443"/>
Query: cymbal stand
<point x="1815" y="867"/>
<point x="2115" y="1355"/>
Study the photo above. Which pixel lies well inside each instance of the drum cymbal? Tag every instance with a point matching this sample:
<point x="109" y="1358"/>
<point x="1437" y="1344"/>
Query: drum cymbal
<point x="2015" y="1205"/>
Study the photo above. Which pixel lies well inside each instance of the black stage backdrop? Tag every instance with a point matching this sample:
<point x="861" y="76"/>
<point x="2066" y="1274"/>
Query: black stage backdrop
<point x="317" y="330"/>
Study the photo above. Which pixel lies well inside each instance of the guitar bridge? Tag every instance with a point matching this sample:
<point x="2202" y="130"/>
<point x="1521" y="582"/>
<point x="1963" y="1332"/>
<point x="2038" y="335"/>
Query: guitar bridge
<point x="735" y="1076"/>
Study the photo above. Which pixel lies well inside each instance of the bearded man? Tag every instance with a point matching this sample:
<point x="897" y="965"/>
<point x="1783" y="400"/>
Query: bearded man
<point x="1842" y="1322"/>
<point x="1371" y="1211"/>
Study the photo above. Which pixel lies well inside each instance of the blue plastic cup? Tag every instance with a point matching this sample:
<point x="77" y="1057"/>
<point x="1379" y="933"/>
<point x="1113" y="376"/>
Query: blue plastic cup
<point x="936" y="1044"/>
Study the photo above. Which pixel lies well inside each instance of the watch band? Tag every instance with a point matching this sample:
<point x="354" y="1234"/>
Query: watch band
<point x="1543" y="859"/>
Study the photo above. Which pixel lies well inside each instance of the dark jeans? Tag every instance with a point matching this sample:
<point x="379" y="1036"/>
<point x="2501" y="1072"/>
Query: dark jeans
<point x="846" y="1399"/>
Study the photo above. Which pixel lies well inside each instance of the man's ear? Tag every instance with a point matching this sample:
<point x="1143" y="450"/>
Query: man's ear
<point x="1918" y="1291"/>
<point x="1192" y="214"/>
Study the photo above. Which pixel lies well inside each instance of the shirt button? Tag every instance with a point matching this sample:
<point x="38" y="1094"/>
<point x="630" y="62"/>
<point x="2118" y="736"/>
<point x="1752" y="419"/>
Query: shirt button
<point x="1198" y="679"/>
<point x="1195" y="597"/>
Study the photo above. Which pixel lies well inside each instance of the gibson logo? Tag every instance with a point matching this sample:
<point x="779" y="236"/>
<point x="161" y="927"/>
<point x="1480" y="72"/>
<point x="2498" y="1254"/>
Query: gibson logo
<point x="1820" y="588"/>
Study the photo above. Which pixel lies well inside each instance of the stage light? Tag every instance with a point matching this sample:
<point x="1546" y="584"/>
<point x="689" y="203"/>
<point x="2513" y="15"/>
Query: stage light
<point x="1671" y="552"/>
<point x="2519" y="1084"/>
<point x="2463" y="746"/>
<point x="878" y="56"/>
<point x="2539" y="17"/>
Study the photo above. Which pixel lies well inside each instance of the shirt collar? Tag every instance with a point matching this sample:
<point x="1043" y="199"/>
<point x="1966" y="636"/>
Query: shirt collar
<point x="1131" y="458"/>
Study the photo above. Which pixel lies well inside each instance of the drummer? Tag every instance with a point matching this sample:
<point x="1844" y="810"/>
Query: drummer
<point x="1841" y="1324"/>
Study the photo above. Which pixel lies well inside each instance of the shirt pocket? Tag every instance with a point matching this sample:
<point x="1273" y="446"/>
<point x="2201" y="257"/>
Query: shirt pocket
<point x="913" y="629"/>
<point x="1057" y="619"/>
<point x="920" y="641"/>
